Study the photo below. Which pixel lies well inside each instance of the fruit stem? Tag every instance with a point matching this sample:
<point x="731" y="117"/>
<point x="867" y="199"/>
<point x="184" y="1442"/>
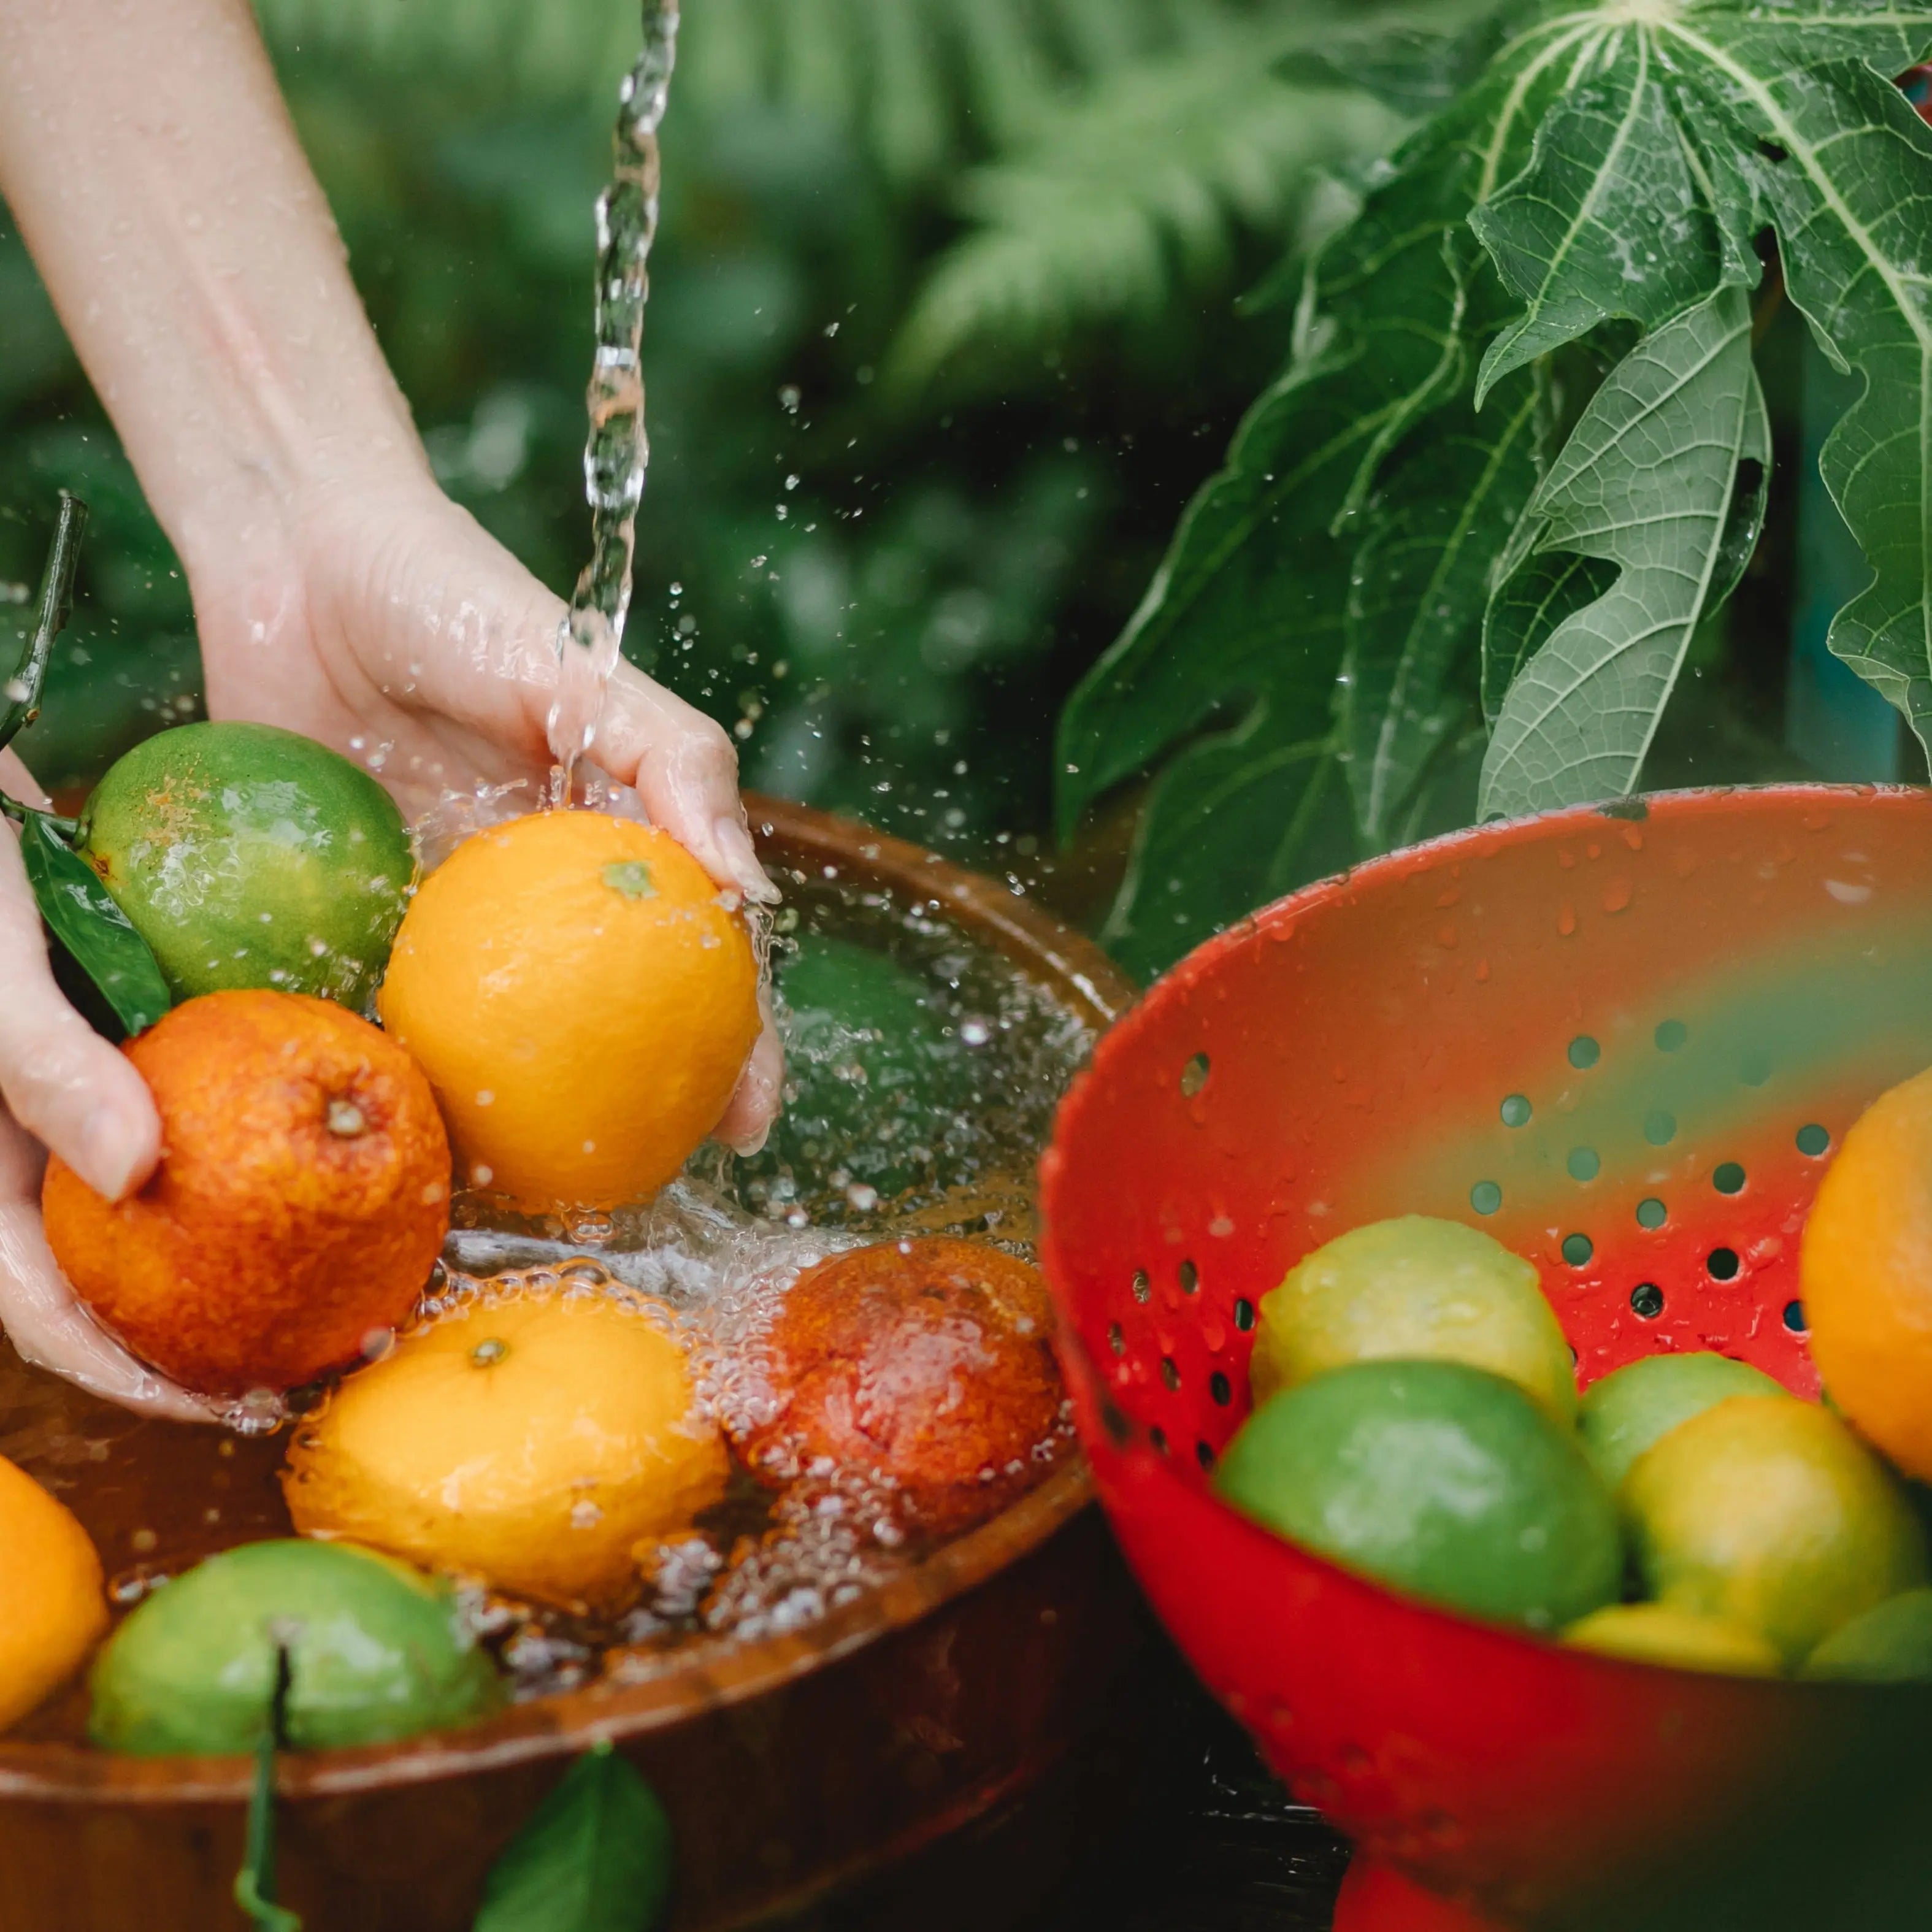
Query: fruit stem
<point x="21" y="690"/>
<point x="69" y="829"/>
<point x="346" y="1119"/>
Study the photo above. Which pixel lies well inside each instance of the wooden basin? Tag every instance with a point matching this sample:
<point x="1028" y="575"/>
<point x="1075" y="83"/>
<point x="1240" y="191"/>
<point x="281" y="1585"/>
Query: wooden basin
<point x="789" y="1766"/>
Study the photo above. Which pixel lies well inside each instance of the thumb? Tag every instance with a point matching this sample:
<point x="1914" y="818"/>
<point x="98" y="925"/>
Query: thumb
<point x="59" y="1077"/>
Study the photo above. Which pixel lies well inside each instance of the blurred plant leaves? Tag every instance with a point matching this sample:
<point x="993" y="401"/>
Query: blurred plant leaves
<point x="595" y="1856"/>
<point x="1663" y="479"/>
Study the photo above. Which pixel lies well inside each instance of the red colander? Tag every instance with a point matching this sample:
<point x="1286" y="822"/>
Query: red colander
<point x="1625" y="1042"/>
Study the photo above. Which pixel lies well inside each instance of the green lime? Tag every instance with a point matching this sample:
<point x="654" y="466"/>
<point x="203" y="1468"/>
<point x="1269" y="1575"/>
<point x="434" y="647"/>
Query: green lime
<point x="1770" y="1512"/>
<point x="248" y="857"/>
<point x="375" y="1650"/>
<point x="875" y="1079"/>
<point x="1443" y="1480"/>
<point x="1662" y="1633"/>
<point x="1890" y="1643"/>
<point x="1413" y="1289"/>
<point x="1640" y="1403"/>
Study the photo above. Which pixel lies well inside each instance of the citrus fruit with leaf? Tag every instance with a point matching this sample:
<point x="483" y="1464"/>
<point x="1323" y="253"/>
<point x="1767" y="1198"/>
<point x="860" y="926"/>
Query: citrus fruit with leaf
<point x="1662" y="1633"/>
<point x="300" y="1200"/>
<point x="582" y="999"/>
<point x="530" y="1439"/>
<point x="1890" y="1643"/>
<point x="1640" y="1403"/>
<point x="1412" y="1289"/>
<point x="1770" y="1513"/>
<point x="1866" y="1273"/>
<point x="375" y="1651"/>
<point x="53" y="1604"/>
<point x="250" y="856"/>
<point x="1444" y="1480"/>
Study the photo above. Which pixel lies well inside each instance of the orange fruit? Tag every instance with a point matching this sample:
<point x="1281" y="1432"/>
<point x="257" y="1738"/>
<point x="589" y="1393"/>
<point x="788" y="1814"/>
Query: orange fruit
<point x="929" y="1363"/>
<point x="530" y="1439"/>
<point x="301" y="1198"/>
<point x="1866" y="1276"/>
<point x="53" y="1605"/>
<point x="582" y="999"/>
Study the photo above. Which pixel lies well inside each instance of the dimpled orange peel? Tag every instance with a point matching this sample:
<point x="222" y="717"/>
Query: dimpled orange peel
<point x="582" y="999"/>
<point x="531" y="1440"/>
<point x="53" y="1603"/>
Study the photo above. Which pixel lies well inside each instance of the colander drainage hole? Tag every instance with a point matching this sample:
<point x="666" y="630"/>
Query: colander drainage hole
<point x="1584" y="1052"/>
<point x="1729" y="1177"/>
<point x="1143" y="1286"/>
<point x="1671" y="1035"/>
<point x="1647" y="1301"/>
<point x="1577" y="1249"/>
<point x="1515" y="1110"/>
<point x="1169" y="1373"/>
<point x="1190" y="1277"/>
<point x="1244" y="1314"/>
<point x="1794" y="1318"/>
<point x="1116" y="1340"/>
<point x="1659" y="1128"/>
<point x="1220" y="1388"/>
<point x="1723" y="1263"/>
<point x="1194" y="1075"/>
<point x="1584" y="1164"/>
<point x="1205" y="1456"/>
<point x="1485" y="1197"/>
<point x="1157" y="1436"/>
<point x="1651" y="1213"/>
<point x="1812" y="1140"/>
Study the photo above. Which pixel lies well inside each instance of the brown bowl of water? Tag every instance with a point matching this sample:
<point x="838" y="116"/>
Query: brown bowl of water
<point x="797" y="1744"/>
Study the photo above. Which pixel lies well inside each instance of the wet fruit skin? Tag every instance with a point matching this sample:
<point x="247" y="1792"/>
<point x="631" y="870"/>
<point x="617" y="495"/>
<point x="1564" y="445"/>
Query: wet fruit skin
<point x="376" y="1652"/>
<point x="250" y="856"/>
<point x="1639" y="1404"/>
<point x="532" y="1441"/>
<point x="1770" y="1512"/>
<point x="1866" y="1275"/>
<point x="1441" y="1479"/>
<point x="300" y="1201"/>
<point x="582" y="1002"/>
<point x="1890" y="1643"/>
<point x="1662" y="1634"/>
<point x="929" y="1362"/>
<point x="1413" y="1289"/>
<point x="53" y="1604"/>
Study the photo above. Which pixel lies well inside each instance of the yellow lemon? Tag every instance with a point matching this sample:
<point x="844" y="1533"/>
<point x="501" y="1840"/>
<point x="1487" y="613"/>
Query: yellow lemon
<point x="530" y="1440"/>
<point x="1663" y="1634"/>
<point x="53" y="1604"/>
<point x="1770" y="1512"/>
<point x="583" y="1001"/>
<point x="1413" y="1289"/>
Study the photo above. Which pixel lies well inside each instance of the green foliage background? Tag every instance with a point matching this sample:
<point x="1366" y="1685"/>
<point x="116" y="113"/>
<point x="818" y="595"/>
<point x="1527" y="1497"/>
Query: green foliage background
<point x="943" y="334"/>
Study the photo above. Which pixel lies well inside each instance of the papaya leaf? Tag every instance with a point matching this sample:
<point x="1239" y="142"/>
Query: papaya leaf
<point x="595" y="1856"/>
<point x="1663" y="477"/>
<point x="1247" y="615"/>
<point x="20" y="694"/>
<point x="93" y="929"/>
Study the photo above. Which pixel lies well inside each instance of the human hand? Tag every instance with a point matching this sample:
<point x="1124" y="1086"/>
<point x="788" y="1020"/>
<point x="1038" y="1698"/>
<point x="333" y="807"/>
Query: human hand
<point x="62" y="1086"/>
<point x="380" y="617"/>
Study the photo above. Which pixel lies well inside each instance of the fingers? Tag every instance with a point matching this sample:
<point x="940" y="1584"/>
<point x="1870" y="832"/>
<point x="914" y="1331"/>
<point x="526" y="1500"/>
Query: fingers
<point x="59" y="1077"/>
<point x="684" y="767"/>
<point x="46" y="1325"/>
<point x="754" y="1105"/>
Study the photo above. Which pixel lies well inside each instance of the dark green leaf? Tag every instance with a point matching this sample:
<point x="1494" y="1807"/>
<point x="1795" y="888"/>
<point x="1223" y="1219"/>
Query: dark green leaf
<point x="596" y="1857"/>
<point x="20" y="694"/>
<point x="93" y="929"/>
<point x="1650" y="482"/>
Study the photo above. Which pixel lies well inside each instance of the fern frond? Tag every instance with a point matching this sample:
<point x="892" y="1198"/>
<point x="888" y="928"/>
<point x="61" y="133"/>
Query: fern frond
<point x="1135" y="191"/>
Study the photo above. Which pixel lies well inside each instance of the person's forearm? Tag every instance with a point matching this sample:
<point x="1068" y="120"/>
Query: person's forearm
<point x="147" y="158"/>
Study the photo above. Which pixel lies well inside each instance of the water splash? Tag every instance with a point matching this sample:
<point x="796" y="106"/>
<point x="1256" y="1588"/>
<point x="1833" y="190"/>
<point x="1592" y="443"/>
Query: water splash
<point x="617" y="452"/>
